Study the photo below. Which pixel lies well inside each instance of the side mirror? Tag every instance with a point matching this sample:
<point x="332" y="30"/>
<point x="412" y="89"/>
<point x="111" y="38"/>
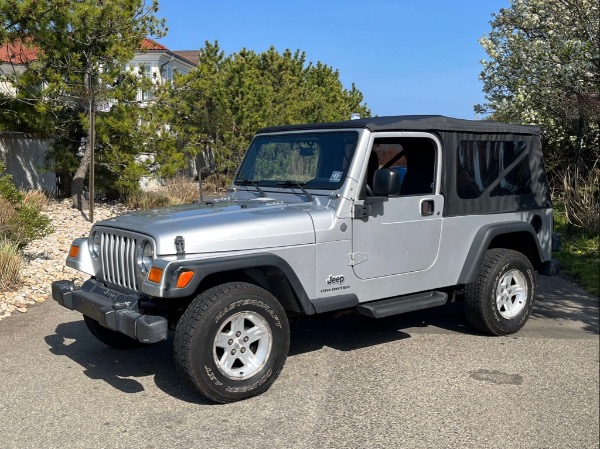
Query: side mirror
<point x="386" y="182"/>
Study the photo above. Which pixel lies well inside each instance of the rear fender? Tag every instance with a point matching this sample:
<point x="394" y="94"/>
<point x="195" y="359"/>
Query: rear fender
<point x="519" y="236"/>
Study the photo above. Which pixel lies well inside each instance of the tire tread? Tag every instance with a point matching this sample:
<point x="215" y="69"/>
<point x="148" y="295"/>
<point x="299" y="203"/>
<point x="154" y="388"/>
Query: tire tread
<point x="475" y="292"/>
<point x="189" y="322"/>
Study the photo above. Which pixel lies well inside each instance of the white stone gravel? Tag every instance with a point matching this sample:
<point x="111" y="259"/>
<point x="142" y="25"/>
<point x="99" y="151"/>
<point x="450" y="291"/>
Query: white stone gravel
<point x="44" y="259"/>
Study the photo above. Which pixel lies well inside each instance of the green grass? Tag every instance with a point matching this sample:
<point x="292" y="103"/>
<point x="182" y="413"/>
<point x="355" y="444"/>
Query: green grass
<point x="580" y="256"/>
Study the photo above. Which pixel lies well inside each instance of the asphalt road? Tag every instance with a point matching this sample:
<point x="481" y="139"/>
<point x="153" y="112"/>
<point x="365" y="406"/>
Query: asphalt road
<point x="420" y="380"/>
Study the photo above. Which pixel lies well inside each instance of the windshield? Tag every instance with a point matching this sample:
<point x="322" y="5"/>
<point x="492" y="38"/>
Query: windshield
<point x="312" y="160"/>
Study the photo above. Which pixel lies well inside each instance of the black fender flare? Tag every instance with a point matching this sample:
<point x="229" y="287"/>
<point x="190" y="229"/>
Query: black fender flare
<point x="481" y="243"/>
<point x="206" y="267"/>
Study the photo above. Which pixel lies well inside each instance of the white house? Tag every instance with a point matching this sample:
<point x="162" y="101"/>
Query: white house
<point x="13" y="58"/>
<point x="159" y="64"/>
<point x="24" y="155"/>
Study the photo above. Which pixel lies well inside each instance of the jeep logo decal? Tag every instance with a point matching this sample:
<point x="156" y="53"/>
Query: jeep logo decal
<point x="335" y="279"/>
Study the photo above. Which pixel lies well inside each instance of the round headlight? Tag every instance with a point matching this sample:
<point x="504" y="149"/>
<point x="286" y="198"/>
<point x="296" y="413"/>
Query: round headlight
<point x="94" y="244"/>
<point x="145" y="255"/>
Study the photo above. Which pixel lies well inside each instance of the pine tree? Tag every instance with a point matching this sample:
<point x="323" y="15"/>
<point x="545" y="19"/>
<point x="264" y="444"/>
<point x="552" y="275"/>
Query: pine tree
<point x="218" y="108"/>
<point x="80" y="46"/>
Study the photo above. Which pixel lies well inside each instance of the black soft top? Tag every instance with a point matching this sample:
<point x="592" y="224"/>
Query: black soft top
<point x="415" y="123"/>
<point x="453" y="133"/>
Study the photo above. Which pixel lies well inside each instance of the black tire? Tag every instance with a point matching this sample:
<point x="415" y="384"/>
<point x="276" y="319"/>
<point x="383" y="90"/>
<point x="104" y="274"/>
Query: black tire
<point x="232" y="342"/>
<point x="110" y="338"/>
<point x="500" y="300"/>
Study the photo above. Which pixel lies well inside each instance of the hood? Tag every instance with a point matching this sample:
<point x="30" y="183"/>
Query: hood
<point x="221" y="225"/>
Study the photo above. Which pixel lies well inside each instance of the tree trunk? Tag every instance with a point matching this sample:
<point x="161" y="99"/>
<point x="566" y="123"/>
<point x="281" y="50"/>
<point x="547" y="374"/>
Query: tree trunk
<point x="79" y="201"/>
<point x="578" y="151"/>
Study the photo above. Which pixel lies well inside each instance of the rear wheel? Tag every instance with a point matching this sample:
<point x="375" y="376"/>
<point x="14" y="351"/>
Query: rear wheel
<point x="110" y="338"/>
<point x="232" y="341"/>
<point x="500" y="300"/>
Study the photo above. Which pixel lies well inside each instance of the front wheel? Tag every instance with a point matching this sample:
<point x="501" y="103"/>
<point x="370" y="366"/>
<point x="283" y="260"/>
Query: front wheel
<point x="500" y="300"/>
<point x="232" y="341"/>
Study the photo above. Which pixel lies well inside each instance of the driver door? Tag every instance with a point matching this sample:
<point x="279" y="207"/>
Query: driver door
<point x="402" y="234"/>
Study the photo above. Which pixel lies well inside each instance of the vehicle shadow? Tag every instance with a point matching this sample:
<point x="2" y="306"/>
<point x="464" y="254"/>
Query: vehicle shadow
<point x="344" y="333"/>
<point x="122" y="368"/>
<point x="353" y="331"/>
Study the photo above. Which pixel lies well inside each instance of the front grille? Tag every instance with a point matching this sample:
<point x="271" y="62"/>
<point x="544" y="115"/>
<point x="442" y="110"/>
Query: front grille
<point x="118" y="259"/>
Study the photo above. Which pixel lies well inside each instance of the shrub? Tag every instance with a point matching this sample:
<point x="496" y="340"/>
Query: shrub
<point x="7" y="213"/>
<point x="21" y="220"/>
<point x="176" y="191"/>
<point x="580" y="255"/>
<point x="35" y="198"/>
<point x="28" y="224"/>
<point x="147" y="200"/>
<point x="10" y="264"/>
<point x="8" y="190"/>
<point x="582" y="206"/>
<point x="182" y="190"/>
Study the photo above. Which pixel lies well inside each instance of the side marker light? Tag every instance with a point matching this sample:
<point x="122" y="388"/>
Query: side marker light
<point x="184" y="279"/>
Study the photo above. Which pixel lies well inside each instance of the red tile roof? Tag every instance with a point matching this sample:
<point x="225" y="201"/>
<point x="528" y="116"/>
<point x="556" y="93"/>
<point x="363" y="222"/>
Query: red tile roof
<point x="17" y="53"/>
<point x="149" y="44"/>
<point x="189" y="57"/>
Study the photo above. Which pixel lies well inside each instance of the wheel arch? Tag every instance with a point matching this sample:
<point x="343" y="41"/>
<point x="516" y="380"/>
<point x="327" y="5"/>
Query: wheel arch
<point x="268" y="271"/>
<point x="518" y="236"/>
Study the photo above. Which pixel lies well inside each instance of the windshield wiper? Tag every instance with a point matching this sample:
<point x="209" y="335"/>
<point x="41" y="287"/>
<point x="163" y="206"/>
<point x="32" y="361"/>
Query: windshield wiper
<point x="247" y="182"/>
<point x="300" y="185"/>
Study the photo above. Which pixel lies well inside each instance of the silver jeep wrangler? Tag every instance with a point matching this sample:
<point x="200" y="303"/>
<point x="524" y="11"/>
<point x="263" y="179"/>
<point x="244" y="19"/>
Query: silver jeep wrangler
<point x="379" y="216"/>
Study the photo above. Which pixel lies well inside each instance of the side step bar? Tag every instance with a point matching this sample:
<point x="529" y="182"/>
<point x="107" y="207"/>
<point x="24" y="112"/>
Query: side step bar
<point x="402" y="304"/>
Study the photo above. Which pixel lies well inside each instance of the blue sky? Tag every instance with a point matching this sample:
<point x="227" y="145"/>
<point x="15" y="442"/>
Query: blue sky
<point x="406" y="57"/>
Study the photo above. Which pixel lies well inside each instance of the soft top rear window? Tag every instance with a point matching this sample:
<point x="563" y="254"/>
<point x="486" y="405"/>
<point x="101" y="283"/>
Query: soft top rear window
<point x="499" y="166"/>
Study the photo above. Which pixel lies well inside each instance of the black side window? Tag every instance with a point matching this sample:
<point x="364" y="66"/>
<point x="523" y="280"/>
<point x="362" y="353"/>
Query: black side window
<point x="516" y="182"/>
<point x="500" y="166"/>
<point x="413" y="158"/>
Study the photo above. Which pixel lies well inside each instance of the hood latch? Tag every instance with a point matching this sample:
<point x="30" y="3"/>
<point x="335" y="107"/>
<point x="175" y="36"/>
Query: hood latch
<point x="180" y="245"/>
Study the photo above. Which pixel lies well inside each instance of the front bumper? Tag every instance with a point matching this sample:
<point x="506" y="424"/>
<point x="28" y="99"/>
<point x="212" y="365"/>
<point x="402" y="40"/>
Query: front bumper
<point x="114" y="310"/>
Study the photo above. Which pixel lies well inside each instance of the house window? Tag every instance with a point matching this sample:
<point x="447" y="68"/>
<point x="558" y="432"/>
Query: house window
<point x="146" y="70"/>
<point x="169" y="73"/>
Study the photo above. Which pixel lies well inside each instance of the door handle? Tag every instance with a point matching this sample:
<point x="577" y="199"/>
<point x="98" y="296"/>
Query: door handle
<point x="427" y="208"/>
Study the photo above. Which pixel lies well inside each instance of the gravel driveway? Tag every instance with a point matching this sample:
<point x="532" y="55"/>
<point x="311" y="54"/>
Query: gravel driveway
<point x="420" y="380"/>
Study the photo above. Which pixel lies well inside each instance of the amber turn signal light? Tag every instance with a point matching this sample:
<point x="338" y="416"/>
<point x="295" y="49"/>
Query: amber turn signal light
<point x="74" y="251"/>
<point x="184" y="278"/>
<point x="155" y="274"/>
